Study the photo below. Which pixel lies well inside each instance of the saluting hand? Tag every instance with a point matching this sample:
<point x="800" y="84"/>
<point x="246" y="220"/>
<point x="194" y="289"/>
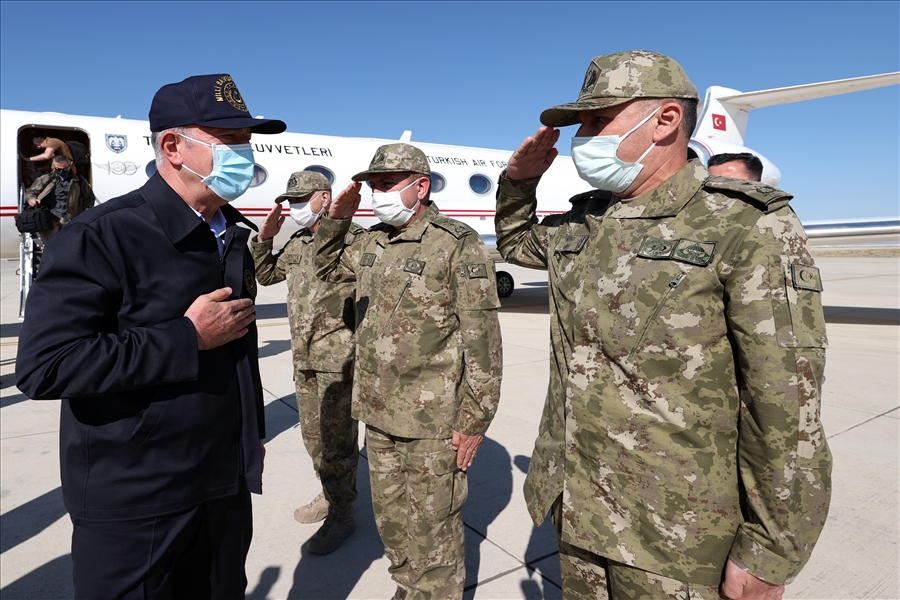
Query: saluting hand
<point x="271" y="225"/>
<point x="534" y="156"/>
<point x="466" y="447"/>
<point x="218" y="320"/>
<point x="344" y="205"/>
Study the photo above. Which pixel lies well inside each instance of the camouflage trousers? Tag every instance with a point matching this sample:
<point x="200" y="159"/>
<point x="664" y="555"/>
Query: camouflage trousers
<point x="588" y="576"/>
<point x="417" y="494"/>
<point x="329" y="432"/>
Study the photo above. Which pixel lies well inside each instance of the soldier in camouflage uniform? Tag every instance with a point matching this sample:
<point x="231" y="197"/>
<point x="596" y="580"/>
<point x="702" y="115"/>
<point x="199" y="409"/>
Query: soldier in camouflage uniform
<point x="428" y="362"/>
<point x="680" y="445"/>
<point x="321" y="316"/>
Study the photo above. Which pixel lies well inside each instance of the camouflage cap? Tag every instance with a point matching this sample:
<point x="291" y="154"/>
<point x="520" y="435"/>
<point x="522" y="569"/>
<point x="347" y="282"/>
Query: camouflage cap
<point x="392" y="158"/>
<point x="621" y="77"/>
<point x="303" y="183"/>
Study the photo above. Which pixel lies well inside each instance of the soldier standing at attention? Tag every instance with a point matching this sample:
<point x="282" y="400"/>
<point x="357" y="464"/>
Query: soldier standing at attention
<point x="322" y="322"/>
<point x="680" y="445"/>
<point x="428" y="362"/>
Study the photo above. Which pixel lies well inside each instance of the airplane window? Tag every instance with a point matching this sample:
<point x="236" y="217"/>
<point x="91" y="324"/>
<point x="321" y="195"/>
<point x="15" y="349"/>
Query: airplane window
<point x="322" y="171"/>
<point x="438" y="183"/>
<point x="150" y="169"/>
<point x="260" y="175"/>
<point x="480" y="184"/>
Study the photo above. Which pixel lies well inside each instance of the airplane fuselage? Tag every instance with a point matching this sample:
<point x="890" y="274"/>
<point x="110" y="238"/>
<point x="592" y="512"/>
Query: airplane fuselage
<point x="464" y="179"/>
<point x="121" y="160"/>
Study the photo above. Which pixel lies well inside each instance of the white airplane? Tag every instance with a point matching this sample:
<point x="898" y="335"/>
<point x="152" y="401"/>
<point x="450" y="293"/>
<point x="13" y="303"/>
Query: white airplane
<point x="464" y="178"/>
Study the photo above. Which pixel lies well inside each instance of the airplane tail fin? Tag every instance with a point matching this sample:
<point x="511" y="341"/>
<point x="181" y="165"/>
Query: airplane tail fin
<point x="719" y="120"/>
<point x="725" y="111"/>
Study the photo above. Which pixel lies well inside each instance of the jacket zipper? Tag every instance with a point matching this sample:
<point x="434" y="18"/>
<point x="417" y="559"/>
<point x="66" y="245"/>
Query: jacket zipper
<point x="242" y="470"/>
<point x="399" y="298"/>
<point x="672" y="285"/>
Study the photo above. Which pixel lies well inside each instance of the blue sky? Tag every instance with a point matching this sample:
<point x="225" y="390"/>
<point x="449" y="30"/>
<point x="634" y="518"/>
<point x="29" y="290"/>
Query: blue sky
<point x="480" y="73"/>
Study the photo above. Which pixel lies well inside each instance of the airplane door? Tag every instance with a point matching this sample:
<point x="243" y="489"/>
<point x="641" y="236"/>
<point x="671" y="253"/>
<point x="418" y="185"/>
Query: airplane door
<point x="77" y="140"/>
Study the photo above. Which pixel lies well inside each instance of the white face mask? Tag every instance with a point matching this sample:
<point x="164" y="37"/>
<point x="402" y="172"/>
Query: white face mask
<point x="389" y="207"/>
<point x="303" y="215"/>
<point x="597" y="162"/>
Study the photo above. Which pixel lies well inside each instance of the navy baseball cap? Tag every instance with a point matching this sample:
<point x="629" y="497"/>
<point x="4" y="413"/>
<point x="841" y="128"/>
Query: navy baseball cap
<point x="207" y="100"/>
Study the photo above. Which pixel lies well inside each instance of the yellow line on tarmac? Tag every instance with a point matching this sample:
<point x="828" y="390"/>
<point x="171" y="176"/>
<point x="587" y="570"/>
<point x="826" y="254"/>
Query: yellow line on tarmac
<point x="862" y="277"/>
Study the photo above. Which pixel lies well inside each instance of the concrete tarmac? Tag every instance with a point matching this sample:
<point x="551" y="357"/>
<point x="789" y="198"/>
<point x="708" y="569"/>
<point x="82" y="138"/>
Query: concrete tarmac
<point x="506" y="557"/>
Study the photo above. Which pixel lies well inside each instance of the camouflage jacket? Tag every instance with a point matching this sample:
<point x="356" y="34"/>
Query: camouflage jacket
<point x="682" y="419"/>
<point x="428" y="356"/>
<point x="321" y="314"/>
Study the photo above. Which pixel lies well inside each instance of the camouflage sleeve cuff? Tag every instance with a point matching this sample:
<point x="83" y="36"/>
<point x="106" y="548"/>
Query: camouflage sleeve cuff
<point x="329" y="244"/>
<point x="761" y="562"/>
<point x="331" y="228"/>
<point x="483" y="357"/>
<point x="258" y="246"/>
<point x="267" y="271"/>
<point x="517" y="189"/>
<point x="518" y="240"/>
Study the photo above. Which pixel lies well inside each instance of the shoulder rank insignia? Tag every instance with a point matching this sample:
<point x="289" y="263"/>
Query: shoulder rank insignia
<point x="460" y="230"/>
<point x="766" y="197"/>
<point x="453" y="227"/>
<point x="806" y="277"/>
<point x="367" y="259"/>
<point x="476" y="271"/>
<point x="414" y="266"/>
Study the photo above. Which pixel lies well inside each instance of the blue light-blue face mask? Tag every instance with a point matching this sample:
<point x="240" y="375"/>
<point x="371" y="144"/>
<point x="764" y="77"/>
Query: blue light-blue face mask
<point x="232" y="171"/>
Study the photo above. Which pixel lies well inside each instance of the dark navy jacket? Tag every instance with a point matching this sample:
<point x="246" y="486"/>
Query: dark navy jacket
<point x="149" y="424"/>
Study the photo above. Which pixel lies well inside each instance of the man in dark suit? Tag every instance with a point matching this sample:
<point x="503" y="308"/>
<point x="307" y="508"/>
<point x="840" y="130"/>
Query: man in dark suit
<point x="143" y="322"/>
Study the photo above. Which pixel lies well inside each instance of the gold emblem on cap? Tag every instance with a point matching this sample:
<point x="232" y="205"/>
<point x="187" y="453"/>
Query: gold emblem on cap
<point x="225" y="89"/>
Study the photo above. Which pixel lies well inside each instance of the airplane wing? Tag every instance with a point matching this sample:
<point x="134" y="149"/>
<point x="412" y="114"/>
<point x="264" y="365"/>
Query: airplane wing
<point x="722" y="122"/>
<point x="810" y="91"/>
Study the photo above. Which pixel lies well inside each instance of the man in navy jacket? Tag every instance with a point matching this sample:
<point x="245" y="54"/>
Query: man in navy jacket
<point x="143" y="321"/>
